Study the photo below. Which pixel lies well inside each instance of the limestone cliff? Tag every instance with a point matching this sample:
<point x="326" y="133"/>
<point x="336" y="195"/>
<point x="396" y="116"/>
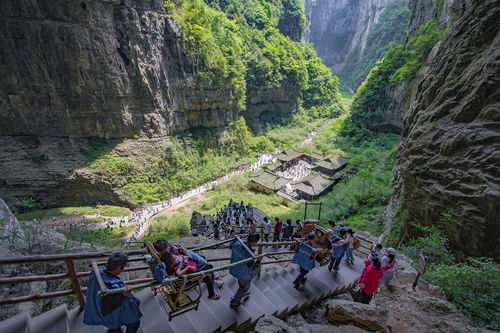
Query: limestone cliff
<point x="76" y="74"/>
<point x="447" y="172"/>
<point x="100" y="69"/>
<point x="351" y="35"/>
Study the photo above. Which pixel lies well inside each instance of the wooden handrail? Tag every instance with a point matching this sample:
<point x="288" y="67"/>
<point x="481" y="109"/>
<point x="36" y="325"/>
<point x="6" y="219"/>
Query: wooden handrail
<point x="66" y="256"/>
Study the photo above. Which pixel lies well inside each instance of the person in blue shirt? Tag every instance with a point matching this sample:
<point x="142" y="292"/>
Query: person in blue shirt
<point x="339" y="248"/>
<point x="112" y="311"/>
<point x="244" y="272"/>
<point x="335" y="228"/>
<point x="305" y="258"/>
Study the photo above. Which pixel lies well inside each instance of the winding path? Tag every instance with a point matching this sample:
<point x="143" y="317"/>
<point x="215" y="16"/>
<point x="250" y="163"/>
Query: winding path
<point x="142" y="215"/>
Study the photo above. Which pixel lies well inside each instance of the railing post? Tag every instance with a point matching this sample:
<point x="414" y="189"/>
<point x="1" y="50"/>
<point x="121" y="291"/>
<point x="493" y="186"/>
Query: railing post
<point x="259" y="253"/>
<point x="75" y="282"/>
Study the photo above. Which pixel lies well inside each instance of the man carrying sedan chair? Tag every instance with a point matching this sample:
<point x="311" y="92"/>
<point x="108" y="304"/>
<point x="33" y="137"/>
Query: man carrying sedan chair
<point x="305" y="258"/>
<point x="112" y="311"/>
<point x="245" y="272"/>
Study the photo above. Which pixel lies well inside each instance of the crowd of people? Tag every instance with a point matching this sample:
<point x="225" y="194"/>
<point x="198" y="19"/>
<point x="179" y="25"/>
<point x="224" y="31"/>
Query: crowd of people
<point x="115" y="311"/>
<point x="296" y="171"/>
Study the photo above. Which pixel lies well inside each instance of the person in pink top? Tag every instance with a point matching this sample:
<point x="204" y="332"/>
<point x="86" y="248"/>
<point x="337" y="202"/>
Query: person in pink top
<point x="368" y="281"/>
<point x="252" y="225"/>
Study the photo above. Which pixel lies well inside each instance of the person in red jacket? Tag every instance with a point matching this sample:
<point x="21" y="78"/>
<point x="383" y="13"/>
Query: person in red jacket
<point x="277" y="229"/>
<point x="368" y="281"/>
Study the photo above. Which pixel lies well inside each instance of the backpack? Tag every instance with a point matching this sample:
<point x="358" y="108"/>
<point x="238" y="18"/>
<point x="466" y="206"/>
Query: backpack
<point x="357" y="243"/>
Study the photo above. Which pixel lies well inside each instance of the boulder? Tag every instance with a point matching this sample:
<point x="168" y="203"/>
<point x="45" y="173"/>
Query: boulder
<point x="9" y="225"/>
<point x="271" y="324"/>
<point x="368" y="317"/>
<point x="196" y="219"/>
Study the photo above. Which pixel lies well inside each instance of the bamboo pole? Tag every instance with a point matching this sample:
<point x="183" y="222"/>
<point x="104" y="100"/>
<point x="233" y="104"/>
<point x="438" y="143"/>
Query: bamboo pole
<point x="98" y="276"/>
<point x="188" y="276"/>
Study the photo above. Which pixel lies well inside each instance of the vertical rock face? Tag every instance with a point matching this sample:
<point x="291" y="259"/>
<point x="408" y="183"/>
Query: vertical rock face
<point x="79" y="73"/>
<point x="337" y="28"/>
<point x="9" y="225"/>
<point x="102" y="69"/>
<point x="448" y="160"/>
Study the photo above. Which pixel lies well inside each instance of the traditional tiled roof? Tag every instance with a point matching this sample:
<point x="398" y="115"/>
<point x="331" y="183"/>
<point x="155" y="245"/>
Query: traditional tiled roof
<point x="288" y="155"/>
<point x="330" y="163"/>
<point x="269" y="180"/>
<point x="314" y="184"/>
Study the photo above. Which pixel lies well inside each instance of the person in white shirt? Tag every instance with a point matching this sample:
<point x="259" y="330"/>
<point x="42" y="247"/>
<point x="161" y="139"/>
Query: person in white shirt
<point x="268" y="228"/>
<point x="388" y="267"/>
<point x="349" y="257"/>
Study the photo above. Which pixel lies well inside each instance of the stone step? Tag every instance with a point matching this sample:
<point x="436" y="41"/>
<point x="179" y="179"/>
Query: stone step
<point x="18" y="324"/>
<point x="264" y="301"/>
<point x="55" y="320"/>
<point x="219" y="308"/>
<point x="286" y="297"/>
<point x="154" y="315"/>
<point x="277" y="302"/>
<point x="203" y="318"/>
<point x="288" y="277"/>
<point x="240" y="315"/>
<point x="286" y="287"/>
<point x="254" y="310"/>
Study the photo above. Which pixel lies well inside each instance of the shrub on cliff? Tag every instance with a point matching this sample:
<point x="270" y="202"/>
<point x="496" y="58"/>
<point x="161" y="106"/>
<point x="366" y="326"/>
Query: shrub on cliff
<point x="242" y="44"/>
<point x="473" y="287"/>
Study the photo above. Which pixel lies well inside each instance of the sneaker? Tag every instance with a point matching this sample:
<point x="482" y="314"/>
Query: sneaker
<point x="215" y="297"/>
<point x="234" y="305"/>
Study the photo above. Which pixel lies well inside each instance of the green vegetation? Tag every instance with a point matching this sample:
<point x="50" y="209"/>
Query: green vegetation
<point x="109" y="237"/>
<point x="190" y="159"/>
<point x="371" y="99"/>
<point x="69" y="211"/>
<point x="417" y="51"/>
<point x="362" y="196"/>
<point x="471" y="285"/>
<point x="390" y="29"/>
<point x="58" y="212"/>
<point x="113" y="211"/>
<point x="238" y="44"/>
<point x="399" y="64"/>
<point x="237" y="189"/>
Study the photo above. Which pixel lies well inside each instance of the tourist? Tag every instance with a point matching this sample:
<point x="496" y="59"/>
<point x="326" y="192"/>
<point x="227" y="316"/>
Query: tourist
<point x="339" y="247"/>
<point x="267" y="228"/>
<point x="178" y="261"/>
<point x="252" y="226"/>
<point x="287" y="231"/>
<point x="375" y="252"/>
<point x="112" y="311"/>
<point x="335" y="228"/>
<point x="349" y="256"/>
<point x="298" y="230"/>
<point x="237" y="229"/>
<point x="244" y="272"/>
<point x="388" y="266"/>
<point x="277" y="229"/>
<point x="304" y="257"/>
<point x="368" y="281"/>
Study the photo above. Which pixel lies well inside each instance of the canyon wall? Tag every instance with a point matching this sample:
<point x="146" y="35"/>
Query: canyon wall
<point x="447" y="172"/>
<point x="351" y="35"/>
<point x="80" y="74"/>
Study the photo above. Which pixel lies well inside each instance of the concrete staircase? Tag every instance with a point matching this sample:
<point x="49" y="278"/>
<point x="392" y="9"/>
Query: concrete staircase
<point x="271" y="294"/>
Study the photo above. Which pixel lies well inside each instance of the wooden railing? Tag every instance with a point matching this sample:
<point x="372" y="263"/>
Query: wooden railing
<point x="74" y="276"/>
<point x="136" y="255"/>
